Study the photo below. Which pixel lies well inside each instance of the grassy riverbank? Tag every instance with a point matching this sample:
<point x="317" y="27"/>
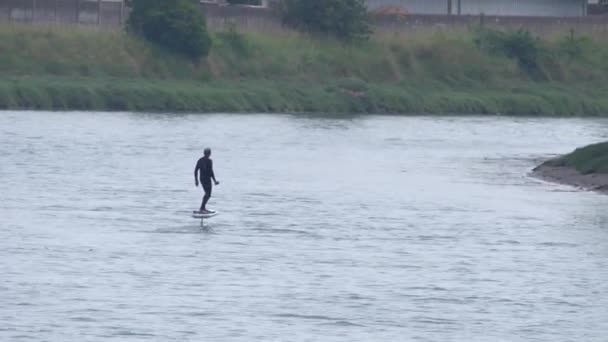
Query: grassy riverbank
<point x="585" y="168"/>
<point x="589" y="159"/>
<point x="83" y="68"/>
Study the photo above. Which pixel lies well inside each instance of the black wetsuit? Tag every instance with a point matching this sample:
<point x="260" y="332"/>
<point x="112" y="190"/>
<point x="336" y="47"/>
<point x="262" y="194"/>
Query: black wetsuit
<point x="205" y="167"/>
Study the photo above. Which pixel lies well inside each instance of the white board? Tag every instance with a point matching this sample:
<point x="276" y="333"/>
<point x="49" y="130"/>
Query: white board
<point x="197" y="215"/>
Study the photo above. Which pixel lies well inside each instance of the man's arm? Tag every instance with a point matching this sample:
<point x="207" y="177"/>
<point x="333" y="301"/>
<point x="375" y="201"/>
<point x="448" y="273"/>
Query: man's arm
<point x="196" y="173"/>
<point x="213" y="173"/>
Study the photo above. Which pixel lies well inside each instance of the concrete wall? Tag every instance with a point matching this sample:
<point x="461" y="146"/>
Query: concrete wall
<point x="110" y="13"/>
<point x="243" y="17"/>
<point x="413" y="6"/>
<point x="544" y="26"/>
<point x="266" y="20"/>
<point x="533" y="8"/>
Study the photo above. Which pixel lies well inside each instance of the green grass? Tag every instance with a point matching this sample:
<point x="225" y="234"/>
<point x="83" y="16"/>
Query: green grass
<point x="54" y="67"/>
<point x="589" y="159"/>
<point x="280" y="96"/>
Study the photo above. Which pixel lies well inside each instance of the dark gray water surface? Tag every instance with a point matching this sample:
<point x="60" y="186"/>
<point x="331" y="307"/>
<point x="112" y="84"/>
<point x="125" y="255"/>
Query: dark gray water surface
<point x="364" y="229"/>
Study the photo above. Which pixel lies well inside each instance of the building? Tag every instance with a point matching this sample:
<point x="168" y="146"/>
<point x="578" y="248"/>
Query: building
<point x="529" y="8"/>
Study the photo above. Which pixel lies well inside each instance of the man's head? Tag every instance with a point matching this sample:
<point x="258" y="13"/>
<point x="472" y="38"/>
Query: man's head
<point x="207" y="152"/>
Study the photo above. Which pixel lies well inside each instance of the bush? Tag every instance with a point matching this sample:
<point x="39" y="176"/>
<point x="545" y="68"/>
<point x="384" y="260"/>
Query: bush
<point x="519" y="45"/>
<point x="174" y="24"/>
<point x="235" y="40"/>
<point x="347" y="20"/>
<point x="573" y="47"/>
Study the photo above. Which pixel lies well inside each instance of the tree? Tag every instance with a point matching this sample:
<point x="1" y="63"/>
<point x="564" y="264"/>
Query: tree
<point x="346" y="20"/>
<point x="178" y="25"/>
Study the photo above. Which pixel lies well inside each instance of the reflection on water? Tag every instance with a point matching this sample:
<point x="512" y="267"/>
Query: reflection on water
<point x="376" y="228"/>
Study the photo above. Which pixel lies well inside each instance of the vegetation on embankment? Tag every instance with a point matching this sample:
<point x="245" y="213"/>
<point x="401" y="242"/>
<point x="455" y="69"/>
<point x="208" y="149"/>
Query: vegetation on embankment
<point x="585" y="168"/>
<point x="586" y="160"/>
<point x="429" y="72"/>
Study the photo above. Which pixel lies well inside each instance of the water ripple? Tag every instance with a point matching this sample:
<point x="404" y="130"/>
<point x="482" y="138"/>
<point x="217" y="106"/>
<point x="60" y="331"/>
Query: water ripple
<point x="376" y="228"/>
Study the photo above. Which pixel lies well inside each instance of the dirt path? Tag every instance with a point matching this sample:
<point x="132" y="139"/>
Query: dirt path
<point x="570" y="176"/>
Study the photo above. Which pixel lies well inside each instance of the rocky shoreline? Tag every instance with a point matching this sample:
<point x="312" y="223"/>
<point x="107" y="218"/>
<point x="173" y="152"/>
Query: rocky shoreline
<point x="555" y="172"/>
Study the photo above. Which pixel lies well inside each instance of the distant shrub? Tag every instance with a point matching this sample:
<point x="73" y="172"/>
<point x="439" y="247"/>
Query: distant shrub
<point x="347" y="20"/>
<point x="353" y="84"/>
<point x="174" y="24"/>
<point x="519" y="45"/>
<point x="573" y="47"/>
<point x="235" y="40"/>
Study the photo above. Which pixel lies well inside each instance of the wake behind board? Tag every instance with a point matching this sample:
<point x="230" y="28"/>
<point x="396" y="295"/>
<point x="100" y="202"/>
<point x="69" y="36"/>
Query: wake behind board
<point x="198" y="215"/>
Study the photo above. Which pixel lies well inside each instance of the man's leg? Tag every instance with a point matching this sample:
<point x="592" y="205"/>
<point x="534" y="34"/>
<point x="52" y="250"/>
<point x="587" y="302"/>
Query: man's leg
<point x="204" y="203"/>
<point x="207" y="188"/>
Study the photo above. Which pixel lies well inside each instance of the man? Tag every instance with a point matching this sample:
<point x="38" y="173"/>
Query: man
<point x="205" y="167"/>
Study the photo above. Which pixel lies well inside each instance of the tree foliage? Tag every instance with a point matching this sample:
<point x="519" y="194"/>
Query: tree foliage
<point x="178" y="25"/>
<point x="346" y="20"/>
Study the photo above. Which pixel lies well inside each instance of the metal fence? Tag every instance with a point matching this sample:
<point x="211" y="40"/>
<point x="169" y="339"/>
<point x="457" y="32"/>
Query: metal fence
<point x="109" y="13"/>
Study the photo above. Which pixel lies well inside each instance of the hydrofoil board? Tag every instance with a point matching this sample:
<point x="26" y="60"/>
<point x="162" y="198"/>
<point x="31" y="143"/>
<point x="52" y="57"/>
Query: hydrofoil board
<point x="199" y="215"/>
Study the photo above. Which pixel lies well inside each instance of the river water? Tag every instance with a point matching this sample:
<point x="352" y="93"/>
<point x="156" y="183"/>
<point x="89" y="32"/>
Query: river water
<point x="376" y="228"/>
